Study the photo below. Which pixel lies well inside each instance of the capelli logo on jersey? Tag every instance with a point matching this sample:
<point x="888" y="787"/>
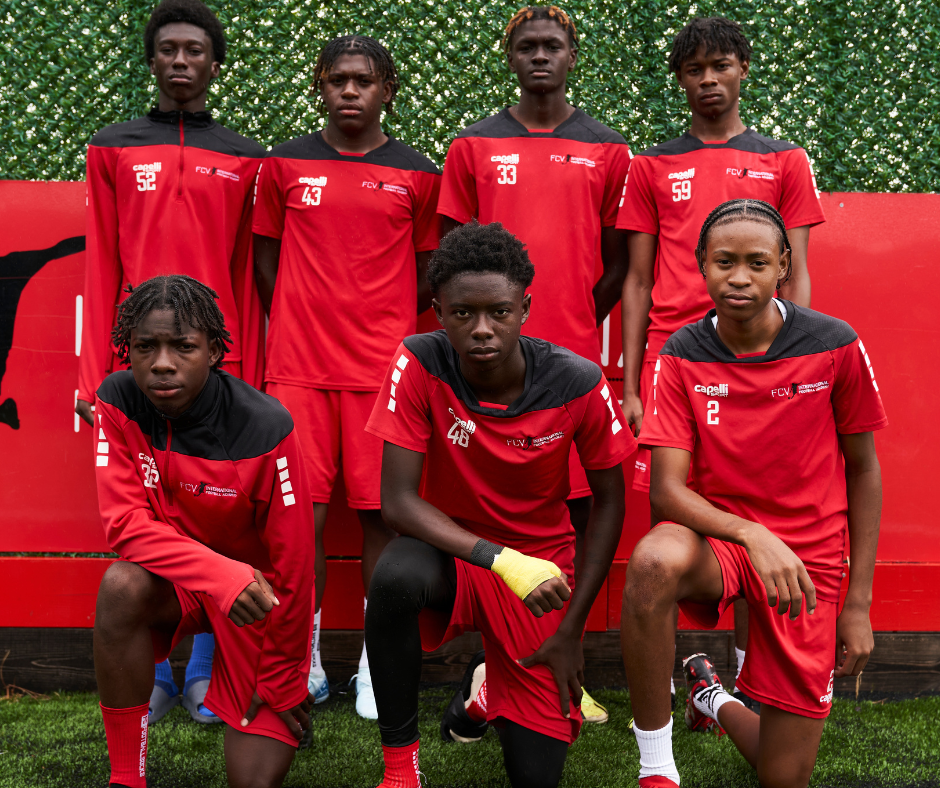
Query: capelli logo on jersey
<point x="204" y="488"/>
<point x="682" y="176"/>
<point x="382" y="186"/>
<point x="747" y="173"/>
<point x="534" y="443"/>
<point x="313" y="190"/>
<point x="210" y="171"/>
<point x="799" y="388"/>
<point x="149" y="468"/>
<point x="147" y="176"/>
<point x="511" y="158"/>
<point x="569" y="159"/>
<point x="721" y="390"/>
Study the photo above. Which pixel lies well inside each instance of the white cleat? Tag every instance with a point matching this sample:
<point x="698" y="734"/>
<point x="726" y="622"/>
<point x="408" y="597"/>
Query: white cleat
<point x="365" y="696"/>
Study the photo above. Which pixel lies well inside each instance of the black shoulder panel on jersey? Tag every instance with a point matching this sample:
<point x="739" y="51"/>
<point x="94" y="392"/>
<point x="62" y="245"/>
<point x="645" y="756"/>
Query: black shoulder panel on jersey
<point x="230" y="420"/>
<point x="748" y="140"/>
<point x="554" y="375"/>
<point x="804" y="333"/>
<point x="393" y="153"/>
<point x="162" y="128"/>
<point x="580" y="127"/>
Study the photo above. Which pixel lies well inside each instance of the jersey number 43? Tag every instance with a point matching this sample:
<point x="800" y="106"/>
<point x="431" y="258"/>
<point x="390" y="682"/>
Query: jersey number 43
<point x="311" y="195"/>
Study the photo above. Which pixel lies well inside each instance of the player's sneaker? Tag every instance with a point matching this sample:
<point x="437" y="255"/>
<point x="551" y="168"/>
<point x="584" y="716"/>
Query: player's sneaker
<point x="193" y="701"/>
<point x="318" y="686"/>
<point x="160" y="703"/>
<point x="365" y="695"/>
<point x="456" y="724"/>
<point x="750" y="703"/>
<point x="700" y="676"/>
<point x="591" y="710"/>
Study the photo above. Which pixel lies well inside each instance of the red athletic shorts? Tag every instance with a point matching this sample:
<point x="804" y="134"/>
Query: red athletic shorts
<point x="641" y="476"/>
<point x="331" y="425"/>
<point x="234" y="665"/>
<point x="577" y="478"/>
<point x="790" y="664"/>
<point x="527" y="696"/>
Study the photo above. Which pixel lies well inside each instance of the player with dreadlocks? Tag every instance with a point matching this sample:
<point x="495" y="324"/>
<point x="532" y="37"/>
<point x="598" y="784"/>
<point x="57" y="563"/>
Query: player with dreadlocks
<point x="553" y="176"/>
<point x="201" y="490"/>
<point x="478" y="423"/>
<point x="344" y="222"/>
<point x="773" y="406"/>
<point x="171" y="193"/>
<point x="672" y="188"/>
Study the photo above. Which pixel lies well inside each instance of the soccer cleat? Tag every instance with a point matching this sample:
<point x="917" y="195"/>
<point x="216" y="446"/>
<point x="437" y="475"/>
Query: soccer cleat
<point x="193" y="701"/>
<point x="750" y="703"/>
<point x="591" y="710"/>
<point x="700" y="676"/>
<point x="456" y="724"/>
<point x="160" y="703"/>
<point x="365" y="695"/>
<point x="318" y="686"/>
<point x="657" y="781"/>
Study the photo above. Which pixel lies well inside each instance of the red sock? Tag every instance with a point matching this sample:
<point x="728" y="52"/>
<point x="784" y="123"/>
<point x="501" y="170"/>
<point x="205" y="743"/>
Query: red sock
<point x="476" y="711"/>
<point x="126" y="731"/>
<point x="401" y="767"/>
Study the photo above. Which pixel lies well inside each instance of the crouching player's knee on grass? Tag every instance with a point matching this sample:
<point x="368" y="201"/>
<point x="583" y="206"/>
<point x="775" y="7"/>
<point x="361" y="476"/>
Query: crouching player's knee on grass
<point x="781" y="471"/>
<point x="176" y="416"/>
<point x="489" y="419"/>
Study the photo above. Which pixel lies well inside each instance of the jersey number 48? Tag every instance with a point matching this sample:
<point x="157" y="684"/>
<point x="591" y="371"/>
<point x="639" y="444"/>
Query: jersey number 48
<point x="681" y="190"/>
<point x="311" y="195"/>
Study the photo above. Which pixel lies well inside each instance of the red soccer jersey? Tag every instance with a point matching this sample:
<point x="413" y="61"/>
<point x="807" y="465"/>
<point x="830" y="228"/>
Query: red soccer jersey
<point x="502" y="474"/>
<point x="169" y="193"/>
<point x="763" y="430"/>
<point x="554" y="190"/>
<point x="350" y="226"/>
<point x="674" y="186"/>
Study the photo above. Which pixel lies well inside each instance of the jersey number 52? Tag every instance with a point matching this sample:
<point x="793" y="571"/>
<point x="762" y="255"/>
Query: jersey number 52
<point x="311" y="195"/>
<point x="146" y="181"/>
<point x="507" y="173"/>
<point x="681" y="190"/>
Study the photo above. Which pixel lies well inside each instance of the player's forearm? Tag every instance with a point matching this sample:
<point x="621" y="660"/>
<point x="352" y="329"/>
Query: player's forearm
<point x="635" y="319"/>
<point x="863" y="490"/>
<point x="410" y="515"/>
<point x="267" y="258"/>
<point x="607" y="292"/>
<point x="615" y="256"/>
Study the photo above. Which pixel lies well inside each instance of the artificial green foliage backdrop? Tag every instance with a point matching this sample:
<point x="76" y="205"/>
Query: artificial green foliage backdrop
<point x="855" y="82"/>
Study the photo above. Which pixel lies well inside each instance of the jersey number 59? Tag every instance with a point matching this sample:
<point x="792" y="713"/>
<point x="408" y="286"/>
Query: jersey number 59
<point x="681" y="190"/>
<point x="311" y="195"/>
<point x="507" y="173"/>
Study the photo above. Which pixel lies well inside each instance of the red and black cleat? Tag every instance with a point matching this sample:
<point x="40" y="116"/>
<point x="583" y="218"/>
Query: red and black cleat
<point x="700" y="674"/>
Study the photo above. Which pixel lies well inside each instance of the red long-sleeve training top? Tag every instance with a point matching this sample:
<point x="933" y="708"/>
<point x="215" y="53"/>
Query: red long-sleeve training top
<point x="170" y="193"/>
<point x="204" y="499"/>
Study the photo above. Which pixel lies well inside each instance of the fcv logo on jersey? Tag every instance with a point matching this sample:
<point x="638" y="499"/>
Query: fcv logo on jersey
<point x="799" y="388"/>
<point x="529" y="442"/>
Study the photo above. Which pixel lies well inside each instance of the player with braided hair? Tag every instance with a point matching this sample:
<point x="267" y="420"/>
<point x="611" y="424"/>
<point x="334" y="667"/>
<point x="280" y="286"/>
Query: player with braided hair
<point x="773" y="406"/>
<point x="344" y="217"/>
<point x="671" y="189"/>
<point x="553" y="176"/>
<point x="170" y="193"/>
<point x="200" y="490"/>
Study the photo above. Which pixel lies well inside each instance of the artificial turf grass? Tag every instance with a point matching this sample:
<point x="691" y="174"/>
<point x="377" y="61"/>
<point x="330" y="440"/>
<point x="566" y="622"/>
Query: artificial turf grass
<point x="60" y="742"/>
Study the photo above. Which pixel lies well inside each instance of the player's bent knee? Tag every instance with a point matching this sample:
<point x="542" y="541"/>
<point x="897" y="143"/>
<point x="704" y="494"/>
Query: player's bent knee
<point x="653" y="574"/>
<point x="127" y="587"/>
<point x="401" y="574"/>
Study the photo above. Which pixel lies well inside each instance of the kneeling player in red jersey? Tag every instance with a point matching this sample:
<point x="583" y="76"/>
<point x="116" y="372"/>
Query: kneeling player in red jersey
<point x="773" y="405"/>
<point x="486" y="539"/>
<point x="199" y="480"/>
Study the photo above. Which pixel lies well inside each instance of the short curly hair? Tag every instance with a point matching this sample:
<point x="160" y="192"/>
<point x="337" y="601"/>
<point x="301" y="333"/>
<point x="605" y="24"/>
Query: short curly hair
<point x="716" y="34"/>
<point x="480" y="248"/>
<point x="192" y="12"/>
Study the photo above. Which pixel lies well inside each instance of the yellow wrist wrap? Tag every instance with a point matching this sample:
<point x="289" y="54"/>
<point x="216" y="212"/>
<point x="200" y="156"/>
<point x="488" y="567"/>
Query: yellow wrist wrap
<point x="522" y="573"/>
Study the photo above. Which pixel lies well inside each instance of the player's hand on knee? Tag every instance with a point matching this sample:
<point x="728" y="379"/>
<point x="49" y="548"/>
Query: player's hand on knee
<point x="788" y="584"/>
<point x="854" y="641"/>
<point x="84" y="409"/>
<point x="563" y="656"/>
<point x="550" y="595"/>
<point x="296" y="718"/>
<point x="252" y="604"/>
<point x="633" y="412"/>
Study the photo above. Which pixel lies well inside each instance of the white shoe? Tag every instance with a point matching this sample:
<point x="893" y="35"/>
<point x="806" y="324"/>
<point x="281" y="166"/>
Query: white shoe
<point x="318" y="686"/>
<point x="365" y="696"/>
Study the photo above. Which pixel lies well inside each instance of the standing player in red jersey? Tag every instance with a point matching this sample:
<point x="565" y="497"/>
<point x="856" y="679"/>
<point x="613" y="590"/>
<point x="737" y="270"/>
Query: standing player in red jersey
<point x="344" y="220"/>
<point x="198" y="479"/>
<point x="553" y="176"/>
<point x="671" y="189"/>
<point x="478" y="423"/>
<point x="773" y="406"/>
<point x="169" y="193"/>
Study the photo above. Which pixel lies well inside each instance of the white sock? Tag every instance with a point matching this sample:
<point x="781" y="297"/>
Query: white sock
<point x="656" y="752"/>
<point x="710" y="699"/>
<point x="672" y="686"/>
<point x="364" y="657"/>
<point x="316" y="667"/>
<point x="739" y="653"/>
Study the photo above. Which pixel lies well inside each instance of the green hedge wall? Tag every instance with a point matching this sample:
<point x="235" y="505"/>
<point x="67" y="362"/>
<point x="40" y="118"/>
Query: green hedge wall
<point x="856" y="82"/>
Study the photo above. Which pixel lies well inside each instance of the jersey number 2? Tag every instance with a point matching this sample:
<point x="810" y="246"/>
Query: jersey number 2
<point x="712" y="405"/>
<point x="681" y="190"/>
<point x="311" y="195"/>
<point x="507" y="173"/>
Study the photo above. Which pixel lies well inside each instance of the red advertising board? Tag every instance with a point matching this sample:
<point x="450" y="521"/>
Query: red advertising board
<point x="872" y="264"/>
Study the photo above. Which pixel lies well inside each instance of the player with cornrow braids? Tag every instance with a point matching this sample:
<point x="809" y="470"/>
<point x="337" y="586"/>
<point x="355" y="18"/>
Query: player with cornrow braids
<point x="773" y="407"/>
<point x="344" y="217"/>
<point x="201" y="491"/>
<point x="553" y="176"/>
<point x="671" y="189"/>
<point x="170" y="193"/>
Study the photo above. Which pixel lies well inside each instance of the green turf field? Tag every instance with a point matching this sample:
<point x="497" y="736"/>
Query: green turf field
<point x="60" y="742"/>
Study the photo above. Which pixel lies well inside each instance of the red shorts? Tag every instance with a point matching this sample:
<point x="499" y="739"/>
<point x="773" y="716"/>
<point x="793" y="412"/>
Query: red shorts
<point x="577" y="478"/>
<point x="331" y="426"/>
<point x="790" y="664"/>
<point x="527" y="696"/>
<point x="641" y="476"/>
<point x="234" y="665"/>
